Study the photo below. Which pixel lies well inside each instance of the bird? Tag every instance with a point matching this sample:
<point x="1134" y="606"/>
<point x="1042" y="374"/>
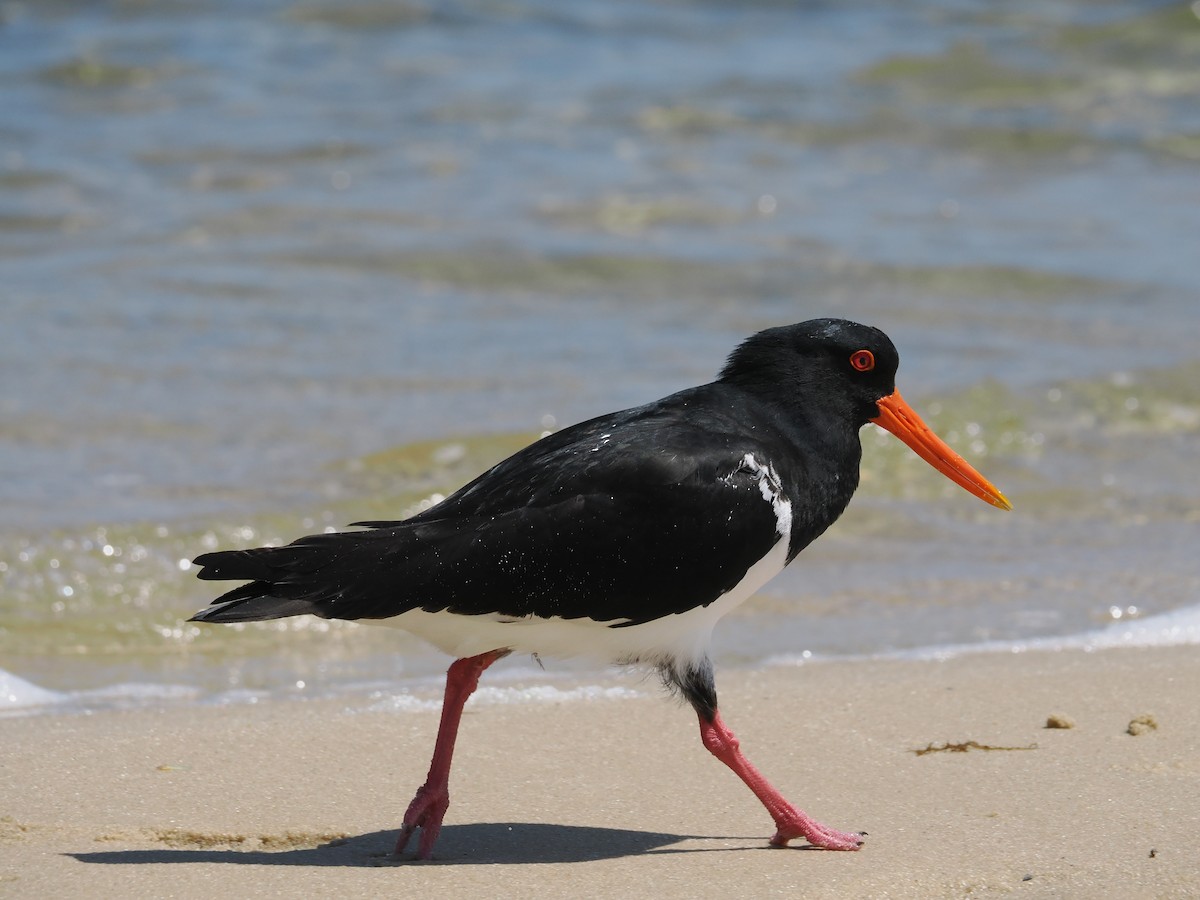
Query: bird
<point x="624" y="539"/>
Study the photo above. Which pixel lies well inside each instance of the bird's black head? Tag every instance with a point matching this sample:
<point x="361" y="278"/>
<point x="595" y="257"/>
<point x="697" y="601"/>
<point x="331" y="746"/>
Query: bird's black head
<point x="841" y="374"/>
<point x="842" y="366"/>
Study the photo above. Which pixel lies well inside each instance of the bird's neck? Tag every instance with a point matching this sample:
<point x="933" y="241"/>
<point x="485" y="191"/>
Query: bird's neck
<point x="821" y="475"/>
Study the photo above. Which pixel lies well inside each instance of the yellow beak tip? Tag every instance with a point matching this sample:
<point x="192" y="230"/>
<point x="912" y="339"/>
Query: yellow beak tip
<point x="896" y="416"/>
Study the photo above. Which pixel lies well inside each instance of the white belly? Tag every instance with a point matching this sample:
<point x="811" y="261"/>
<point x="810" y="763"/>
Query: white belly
<point x="683" y="636"/>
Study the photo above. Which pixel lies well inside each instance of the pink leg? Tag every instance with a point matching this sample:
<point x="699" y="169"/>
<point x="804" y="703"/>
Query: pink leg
<point x="432" y="800"/>
<point x="789" y="821"/>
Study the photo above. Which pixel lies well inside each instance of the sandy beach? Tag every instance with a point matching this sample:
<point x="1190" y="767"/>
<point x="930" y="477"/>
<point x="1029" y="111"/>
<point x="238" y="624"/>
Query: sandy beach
<point x="612" y="797"/>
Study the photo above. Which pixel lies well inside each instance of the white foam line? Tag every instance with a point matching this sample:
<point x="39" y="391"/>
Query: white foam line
<point x="17" y="694"/>
<point x="1180" y="627"/>
<point x="496" y="696"/>
<point x="19" y="697"/>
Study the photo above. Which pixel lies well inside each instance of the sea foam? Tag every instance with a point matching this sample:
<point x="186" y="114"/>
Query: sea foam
<point x="17" y="694"/>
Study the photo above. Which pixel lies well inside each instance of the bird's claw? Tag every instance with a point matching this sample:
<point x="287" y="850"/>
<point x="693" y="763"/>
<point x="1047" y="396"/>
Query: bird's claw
<point x="426" y="812"/>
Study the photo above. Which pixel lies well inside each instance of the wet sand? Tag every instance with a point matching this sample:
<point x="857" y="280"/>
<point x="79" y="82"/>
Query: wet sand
<point x="616" y="797"/>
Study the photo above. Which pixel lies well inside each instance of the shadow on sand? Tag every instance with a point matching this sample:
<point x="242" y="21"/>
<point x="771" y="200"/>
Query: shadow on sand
<point x="485" y="843"/>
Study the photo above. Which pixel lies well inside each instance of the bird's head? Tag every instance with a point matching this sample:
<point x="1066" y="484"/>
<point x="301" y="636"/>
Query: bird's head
<point x="850" y="371"/>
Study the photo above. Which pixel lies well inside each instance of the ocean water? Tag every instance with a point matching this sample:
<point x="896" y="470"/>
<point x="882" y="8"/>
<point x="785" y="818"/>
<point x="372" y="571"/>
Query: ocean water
<point x="269" y="268"/>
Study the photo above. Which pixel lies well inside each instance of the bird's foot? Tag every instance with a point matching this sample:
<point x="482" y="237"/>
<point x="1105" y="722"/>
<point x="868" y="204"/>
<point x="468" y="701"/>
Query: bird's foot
<point x="792" y="823"/>
<point x="426" y="812"/>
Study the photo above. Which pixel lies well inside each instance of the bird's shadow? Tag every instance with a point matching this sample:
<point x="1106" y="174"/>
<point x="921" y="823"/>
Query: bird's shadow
<point x="484" y="843"/>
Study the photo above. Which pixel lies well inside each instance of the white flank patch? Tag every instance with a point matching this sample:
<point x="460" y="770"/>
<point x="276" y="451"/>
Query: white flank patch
<point x="772" y="491"/>
<point x="682" y="636"/>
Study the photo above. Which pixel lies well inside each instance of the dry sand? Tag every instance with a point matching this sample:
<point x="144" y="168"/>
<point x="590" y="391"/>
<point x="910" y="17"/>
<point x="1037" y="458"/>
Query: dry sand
<point x="617" y="798"/>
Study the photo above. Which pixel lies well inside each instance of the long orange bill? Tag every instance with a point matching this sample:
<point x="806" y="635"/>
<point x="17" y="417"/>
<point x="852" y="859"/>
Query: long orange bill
<point x="900" y="419"/>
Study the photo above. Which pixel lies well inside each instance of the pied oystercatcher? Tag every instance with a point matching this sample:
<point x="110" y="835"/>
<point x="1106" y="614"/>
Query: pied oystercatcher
<point x="625" y="537"/>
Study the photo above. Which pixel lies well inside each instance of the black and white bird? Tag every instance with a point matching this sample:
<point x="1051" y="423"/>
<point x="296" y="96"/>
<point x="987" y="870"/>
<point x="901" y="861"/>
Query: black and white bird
<point x="623" y="538"/>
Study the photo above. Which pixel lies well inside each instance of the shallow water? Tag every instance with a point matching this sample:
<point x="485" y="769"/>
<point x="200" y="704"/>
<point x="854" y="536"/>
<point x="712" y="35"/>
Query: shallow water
<point x="269" y="270"/>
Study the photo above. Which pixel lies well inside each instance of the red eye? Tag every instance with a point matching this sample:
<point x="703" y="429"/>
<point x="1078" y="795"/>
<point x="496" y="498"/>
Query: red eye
<point x="862" y="360"/>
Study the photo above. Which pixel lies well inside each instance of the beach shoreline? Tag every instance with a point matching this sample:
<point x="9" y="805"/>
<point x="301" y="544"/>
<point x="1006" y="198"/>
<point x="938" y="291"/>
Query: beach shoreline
<point x="603" y="795"/>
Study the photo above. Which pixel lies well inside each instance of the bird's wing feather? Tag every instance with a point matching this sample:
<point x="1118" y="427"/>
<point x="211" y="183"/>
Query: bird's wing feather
<point x="588" y="525"/>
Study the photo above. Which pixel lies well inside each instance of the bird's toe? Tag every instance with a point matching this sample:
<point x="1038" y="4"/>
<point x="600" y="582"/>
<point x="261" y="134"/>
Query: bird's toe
<point x="818" y="836"/>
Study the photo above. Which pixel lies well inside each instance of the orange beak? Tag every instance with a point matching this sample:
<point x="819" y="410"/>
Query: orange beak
<point x="900" y="419"/>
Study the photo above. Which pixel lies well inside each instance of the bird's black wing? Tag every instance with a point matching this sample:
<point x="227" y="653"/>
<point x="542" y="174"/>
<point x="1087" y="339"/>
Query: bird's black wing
<point x="623" y="519"/>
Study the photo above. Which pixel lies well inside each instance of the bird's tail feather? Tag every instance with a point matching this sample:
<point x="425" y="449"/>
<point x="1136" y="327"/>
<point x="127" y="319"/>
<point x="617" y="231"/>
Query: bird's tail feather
<point x="260" y="600"/>
<point x="256" y="608"/>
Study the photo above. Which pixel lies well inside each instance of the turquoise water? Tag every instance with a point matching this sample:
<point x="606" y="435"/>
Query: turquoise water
<point x="269" y="269"/>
